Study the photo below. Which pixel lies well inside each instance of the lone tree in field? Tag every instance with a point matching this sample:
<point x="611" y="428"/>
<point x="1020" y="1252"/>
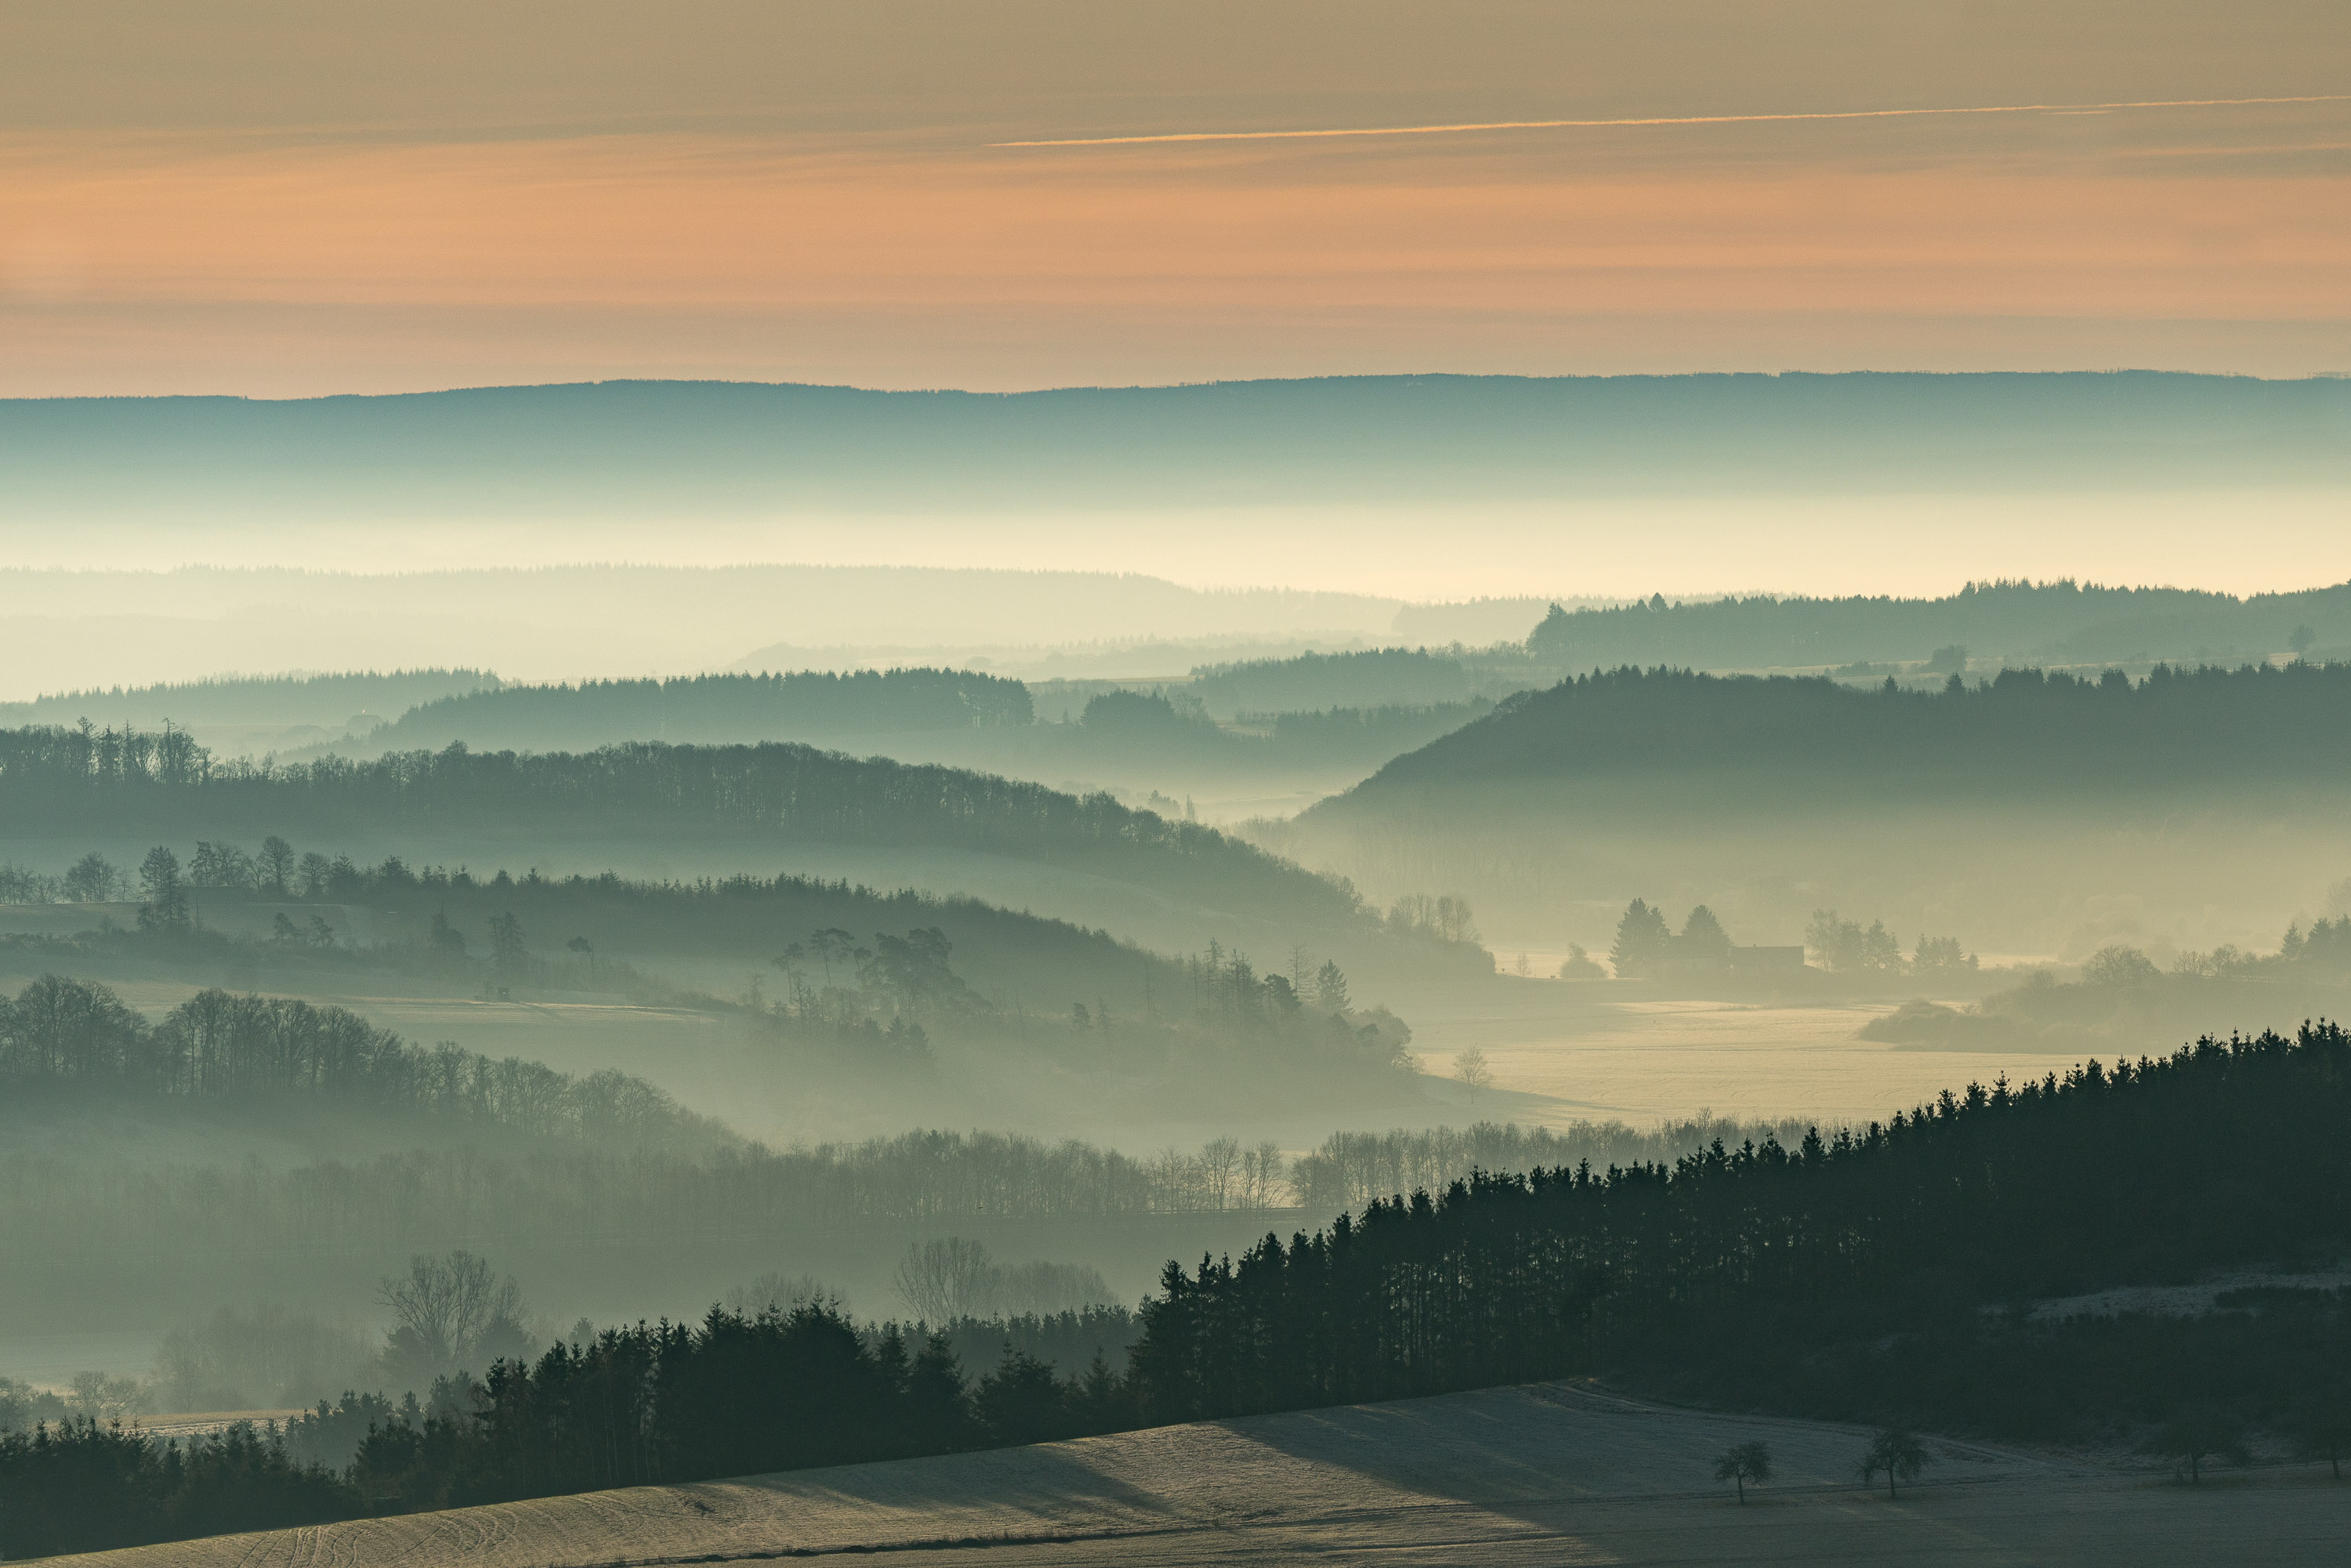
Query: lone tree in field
<point x="2320" y="1425"/>
<point x="1743" y="1463"/>
<point x="1471" y="1069"/>
<point x="1896" y="1455"/>
<point x="2198" y="1433"/>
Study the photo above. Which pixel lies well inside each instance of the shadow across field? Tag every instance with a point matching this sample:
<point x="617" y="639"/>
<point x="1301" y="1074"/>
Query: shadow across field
<point x="1543" y="1474"/>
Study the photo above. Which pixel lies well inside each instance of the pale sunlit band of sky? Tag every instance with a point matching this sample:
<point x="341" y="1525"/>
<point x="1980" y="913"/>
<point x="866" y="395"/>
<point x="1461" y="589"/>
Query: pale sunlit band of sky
<point x="1671" y="119"/>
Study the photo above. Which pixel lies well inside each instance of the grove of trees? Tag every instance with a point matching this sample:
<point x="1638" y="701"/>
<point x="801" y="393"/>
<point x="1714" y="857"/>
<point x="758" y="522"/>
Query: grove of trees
<point x="166" y="783"/>
<point x="1812" y="741"/>
<point x="1872" y="1275"/>
<point x="720" y="708"/>
<point x="2076" y="622"/>
<point x="1734" y="1266"/>
<point x="63" y="1035"/>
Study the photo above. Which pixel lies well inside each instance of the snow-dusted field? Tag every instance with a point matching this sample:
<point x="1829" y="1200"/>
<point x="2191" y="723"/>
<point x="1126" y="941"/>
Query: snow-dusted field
<point x="1542" y="1475"/>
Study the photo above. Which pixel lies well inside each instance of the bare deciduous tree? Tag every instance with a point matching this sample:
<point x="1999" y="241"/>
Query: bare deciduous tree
<point x="451" y="1310"/>
<point x="943" y="1279"/>
<point x="951" y="1278"/>
<point x="1263" y="1175"/>
<point x="1471" y="1069"/>
<point x="1220" y="1161"/>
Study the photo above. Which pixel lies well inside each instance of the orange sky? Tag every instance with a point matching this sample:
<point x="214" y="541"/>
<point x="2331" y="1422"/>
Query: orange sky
<point x="533" y="206"/>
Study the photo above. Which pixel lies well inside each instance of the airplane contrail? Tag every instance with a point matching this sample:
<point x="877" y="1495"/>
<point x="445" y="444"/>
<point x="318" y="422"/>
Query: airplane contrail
<point x="1662" y="119"/>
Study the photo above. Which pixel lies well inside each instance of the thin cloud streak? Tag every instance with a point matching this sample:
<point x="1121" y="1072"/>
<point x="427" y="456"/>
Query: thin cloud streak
<point x="1667" y="119"/>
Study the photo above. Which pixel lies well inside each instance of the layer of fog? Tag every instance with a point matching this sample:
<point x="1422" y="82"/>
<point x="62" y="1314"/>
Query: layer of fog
<point x="1569" y="545"/>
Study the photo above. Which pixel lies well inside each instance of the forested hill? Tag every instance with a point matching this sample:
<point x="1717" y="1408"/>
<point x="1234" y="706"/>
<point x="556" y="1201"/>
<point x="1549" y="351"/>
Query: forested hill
<point x="168" y="787"/>
<point x="2286" y="726"/>
<point x="669" y="448"/>
<point x="2059" y="622"/>
<point x="328" y="699"/>
<point x="714" y="708"/>
<point x="66" y="1038"/>
<point x="1309" y="682"/>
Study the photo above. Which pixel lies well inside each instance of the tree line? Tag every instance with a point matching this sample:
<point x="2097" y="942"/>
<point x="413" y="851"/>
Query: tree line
<point x="1372" y="678"/>
<point x="65" y="1034"/>
<point x="122" y="780"/>
<point x="1012" y="959"/>
<point x="1748" y="1260"/>
<point x="2023" y="729"/>
<point x="880" y="996"/>
<point x="1646" y="947"/>
<point x="1349" y="1170"/>
<point x="393" y="1204"/>
<point x="2323" y="950"/>
<point x="287" y="700"/>
<point x="2121" y="994"/>
<point x="715" y="708"/>
<point x="734" y="1393"/>
<point x="1850" y="1275"/>
<point x="2045" y="620"/>
<point x="1169" y="728"/>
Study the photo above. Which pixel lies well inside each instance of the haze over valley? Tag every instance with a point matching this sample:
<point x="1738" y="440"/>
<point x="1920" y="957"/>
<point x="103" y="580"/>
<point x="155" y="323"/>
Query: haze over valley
<point x="1172" y="786"/>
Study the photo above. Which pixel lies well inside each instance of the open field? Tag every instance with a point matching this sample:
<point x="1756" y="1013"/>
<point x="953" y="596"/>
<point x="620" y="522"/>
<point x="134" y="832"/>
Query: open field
<point x="1545" y="1474"/>
<point x="1564" y="1051"/>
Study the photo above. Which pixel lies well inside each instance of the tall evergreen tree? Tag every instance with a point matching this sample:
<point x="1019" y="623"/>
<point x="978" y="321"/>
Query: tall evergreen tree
<point x="1642" y="942"/>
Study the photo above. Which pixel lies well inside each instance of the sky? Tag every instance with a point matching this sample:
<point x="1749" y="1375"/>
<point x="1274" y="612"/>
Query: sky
<point x="278" y="199"/>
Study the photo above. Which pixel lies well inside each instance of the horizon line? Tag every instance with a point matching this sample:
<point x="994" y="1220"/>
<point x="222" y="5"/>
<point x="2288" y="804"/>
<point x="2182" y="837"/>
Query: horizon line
<point x="8" y="399"/>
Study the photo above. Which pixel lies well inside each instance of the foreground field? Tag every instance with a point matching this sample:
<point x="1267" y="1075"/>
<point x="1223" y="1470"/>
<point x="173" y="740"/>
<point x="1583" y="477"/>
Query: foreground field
<point x="1545" y="1474"/>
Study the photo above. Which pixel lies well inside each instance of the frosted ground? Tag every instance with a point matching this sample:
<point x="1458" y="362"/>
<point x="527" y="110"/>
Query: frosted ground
<point x="1546" y="1474"/>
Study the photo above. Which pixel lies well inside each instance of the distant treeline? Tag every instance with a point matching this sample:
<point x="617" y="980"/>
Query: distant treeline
<point x="1173" y="729"/>
<point x="51" y="1207"/>
<point x="1387" y="730"/>
<point x="329" y="699"/>
<point x="2022" y="731"/>
<point x="61" y="1034"/>
<point x="1351" y="1170"/>
<point x="166" y="783"/>
<point x="1378" y="677"/>
<point x="2122" y="997"/>
<point x="714" y="709"/>
<point x="1846" y="1277"/>
<point x="836" y="958"/>
<point x="2061" y="621"/>
<point x="1013" y="956"/>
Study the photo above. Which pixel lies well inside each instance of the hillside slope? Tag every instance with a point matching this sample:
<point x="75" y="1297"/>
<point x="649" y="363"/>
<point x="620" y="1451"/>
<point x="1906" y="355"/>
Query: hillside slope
<point x="2205" y="805"/>
<point x="676" y="810"/>
<point x="2022" y="732"/>
<point x="1542" y="1474"/>
<point x="2060" y="622"/>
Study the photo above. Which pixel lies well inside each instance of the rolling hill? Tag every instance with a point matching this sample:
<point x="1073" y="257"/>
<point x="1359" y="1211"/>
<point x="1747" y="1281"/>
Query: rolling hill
<point x="1540" y="1474"/>
<point x="660" y="448"/>
<point x="2029" y="813"/>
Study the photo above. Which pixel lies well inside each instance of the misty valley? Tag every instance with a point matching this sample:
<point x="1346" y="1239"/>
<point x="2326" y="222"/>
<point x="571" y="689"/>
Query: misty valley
<point x="543" y="1087"/>
<point x="1046" y="785"/>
